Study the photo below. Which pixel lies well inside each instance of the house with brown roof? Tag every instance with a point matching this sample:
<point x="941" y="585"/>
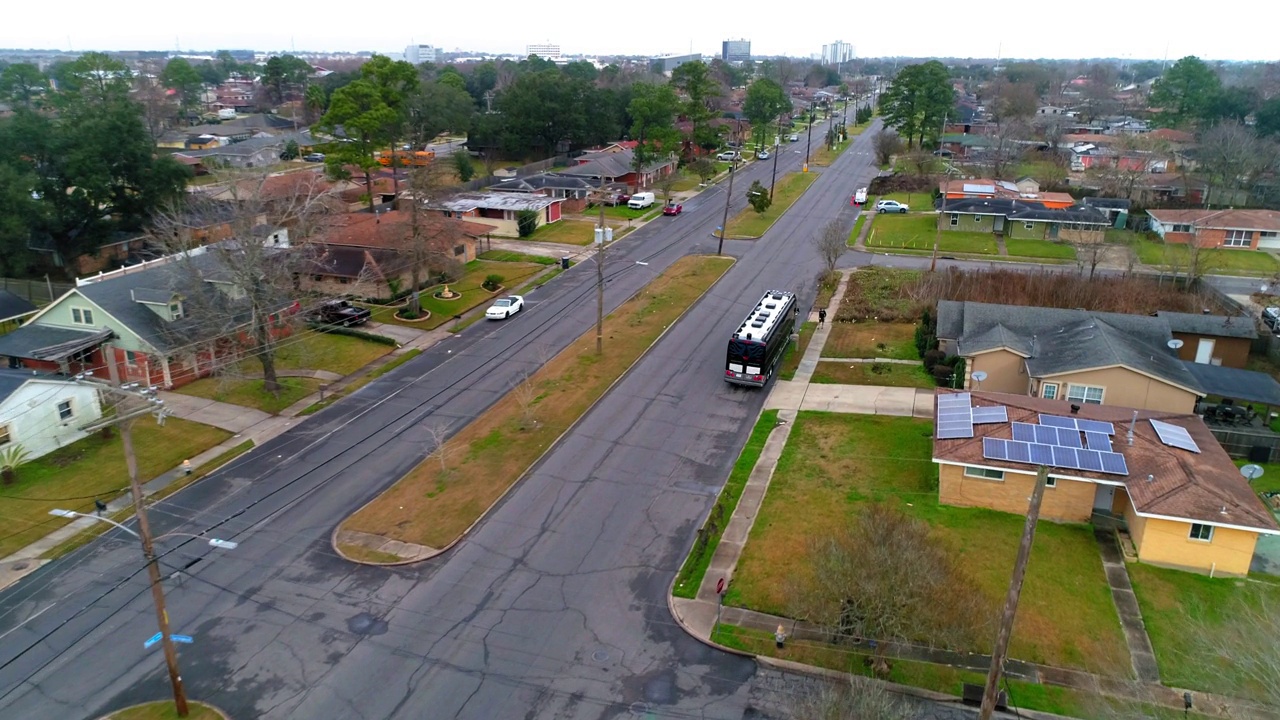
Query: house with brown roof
<point x="1025" y="189"/>
<point x="1243" y="229"/>
<point x="371" y="255"/>
<point x="499" y="210"/>
<point x="1162" y="475"/>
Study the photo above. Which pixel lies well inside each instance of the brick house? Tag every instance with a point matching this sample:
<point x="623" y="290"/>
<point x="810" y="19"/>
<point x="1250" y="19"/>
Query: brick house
<point x="1088" y="357"/>
<point x="1240" y="229"/>
<point x="1161" y="475"/>
<point x="499" y="210"/>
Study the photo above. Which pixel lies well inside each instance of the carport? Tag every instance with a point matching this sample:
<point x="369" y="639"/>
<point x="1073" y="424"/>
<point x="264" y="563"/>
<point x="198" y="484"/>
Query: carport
<point x="1235" y="386"/>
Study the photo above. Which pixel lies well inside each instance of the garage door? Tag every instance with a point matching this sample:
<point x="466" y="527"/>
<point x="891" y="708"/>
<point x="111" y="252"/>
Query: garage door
<point x="1269" y="241"/>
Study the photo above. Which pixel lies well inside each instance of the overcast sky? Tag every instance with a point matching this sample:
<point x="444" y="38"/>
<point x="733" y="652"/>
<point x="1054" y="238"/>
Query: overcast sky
<point x="1137" y="30"/>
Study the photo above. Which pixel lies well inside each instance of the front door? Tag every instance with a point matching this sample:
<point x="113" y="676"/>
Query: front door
<point x="1053" y="231"/>
<point x="999" y="223"/>
<point x="1103" y="497"/>
<point x="1204" y="351"/>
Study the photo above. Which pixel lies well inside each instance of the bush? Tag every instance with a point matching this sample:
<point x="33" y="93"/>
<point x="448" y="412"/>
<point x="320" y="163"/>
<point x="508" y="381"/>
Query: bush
<point x="934" y="358"/>
<point x="925" y="341"/>
<point x="526" y="222"/>
<point x="942" y="375"/>
<point x="492" y="282"/>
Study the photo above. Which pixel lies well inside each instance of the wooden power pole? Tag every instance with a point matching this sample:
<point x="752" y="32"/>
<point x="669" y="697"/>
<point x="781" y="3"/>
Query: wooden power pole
<point x="601" y="241"/>
<point x="992" y="689"/>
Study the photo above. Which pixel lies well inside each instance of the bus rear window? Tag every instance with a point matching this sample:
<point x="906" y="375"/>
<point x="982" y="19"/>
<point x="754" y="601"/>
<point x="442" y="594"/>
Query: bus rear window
<point x="739" y="350"/>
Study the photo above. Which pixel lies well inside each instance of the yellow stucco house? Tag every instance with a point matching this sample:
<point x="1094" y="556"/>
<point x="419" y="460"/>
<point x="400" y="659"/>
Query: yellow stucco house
<point x="1162" y="474"/>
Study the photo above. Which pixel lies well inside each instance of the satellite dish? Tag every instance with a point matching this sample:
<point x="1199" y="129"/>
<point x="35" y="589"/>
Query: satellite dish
<point x="1251" y="472"/>
<point x="979" y="375"/>
<point x="1175" y="343"/>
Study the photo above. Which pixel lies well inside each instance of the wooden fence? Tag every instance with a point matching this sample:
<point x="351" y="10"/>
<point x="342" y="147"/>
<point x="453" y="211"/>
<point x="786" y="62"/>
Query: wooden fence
<point x="39" y="292"/>
<point x="1258" y="446"/>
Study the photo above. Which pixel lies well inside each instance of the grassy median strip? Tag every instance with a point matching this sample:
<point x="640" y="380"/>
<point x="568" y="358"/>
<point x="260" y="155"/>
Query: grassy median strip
<point x="695" y="566"/>
<point x="750" y="225"/>
<point x="437" y="501"/>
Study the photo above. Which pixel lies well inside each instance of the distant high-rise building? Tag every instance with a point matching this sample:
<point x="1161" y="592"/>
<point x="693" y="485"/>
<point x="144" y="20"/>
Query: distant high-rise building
<point x="546" y="51"/>
<point x="667" y="63"/>
<point x="418" y="54"/>
<point x="735" y="51"/>
<point x="836" y="53"/>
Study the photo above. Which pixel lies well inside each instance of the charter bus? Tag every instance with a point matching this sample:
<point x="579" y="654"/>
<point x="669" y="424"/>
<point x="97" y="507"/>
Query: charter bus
<point x="758" y="343"/>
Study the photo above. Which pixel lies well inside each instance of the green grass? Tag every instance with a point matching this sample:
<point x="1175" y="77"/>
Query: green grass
<point x="1020" y="247"/>
<point x="509" y="256"/>
<point x="250" y="393"/>
<point x="1270" y="480"/>
<point x="93" y="468"/>
<point x="165" y="710"/>
<point x="822" y="156"/>
<point x="916" y="233"/>
<point x="871" y="340"/>
<point x="312" y="350"/>
<point x="750" y="224"/>
<point x="857" y="228"/>
<point x="473" y="295"/>
<point x="361" y="382"/>
<point x="568" y="232"/>
<point x="834" y="463"/>
<point x="1240" y="261"/>
<point x="795" y="353"/>
<point x="918" y="201"/>
<point x="695" y="566"/>
<point x="1180" y="609"/>
<point x="881" y="374"/>
<point x="685" y="181"/>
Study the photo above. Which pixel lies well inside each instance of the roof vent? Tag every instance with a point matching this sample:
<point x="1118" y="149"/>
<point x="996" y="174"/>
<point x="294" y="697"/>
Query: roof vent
<point x="1151" y="478"/>
<point x="1075" y="409"/>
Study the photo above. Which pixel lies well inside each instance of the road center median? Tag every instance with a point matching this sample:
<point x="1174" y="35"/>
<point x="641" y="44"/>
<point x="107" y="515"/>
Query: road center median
<point x="437" y="502"/>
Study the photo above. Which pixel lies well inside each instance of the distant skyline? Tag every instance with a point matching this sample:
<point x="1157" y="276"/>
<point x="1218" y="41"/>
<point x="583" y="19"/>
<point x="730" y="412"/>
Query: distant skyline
<point x="928" y="29"/>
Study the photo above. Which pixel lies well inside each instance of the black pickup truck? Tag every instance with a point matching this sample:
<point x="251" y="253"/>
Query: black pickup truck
<point x="340" y="312"/>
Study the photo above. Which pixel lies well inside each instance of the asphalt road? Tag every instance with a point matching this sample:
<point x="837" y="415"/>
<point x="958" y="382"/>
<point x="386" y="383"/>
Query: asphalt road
<point x="554" y="607"/>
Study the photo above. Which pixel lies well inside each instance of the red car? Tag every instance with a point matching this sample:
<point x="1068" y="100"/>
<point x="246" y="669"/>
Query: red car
<point x="672" y="209"/>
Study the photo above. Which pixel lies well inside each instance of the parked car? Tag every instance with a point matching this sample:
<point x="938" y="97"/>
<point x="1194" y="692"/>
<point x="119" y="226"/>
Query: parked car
<point x="672" y="208"/>
<point x="762" y="155"/>
<point x="793" y="138"/>
<point x="729" y="156"/>
<point x="340" y="312"/>
<point x="640" y="201"/>
<point x="1271" y="318"/>
<point x="505" y="307"/>
<point x="313" y="157"/>
<point x="860" y="196"/>
<point x="891" y="206"/>
<point x="616" y="199"/>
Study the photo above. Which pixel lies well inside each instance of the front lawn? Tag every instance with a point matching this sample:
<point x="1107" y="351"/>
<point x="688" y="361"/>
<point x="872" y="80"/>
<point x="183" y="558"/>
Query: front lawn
<point x="469" y="287"/>
<point x="509" y="256"/>
<point x="1025" y="247"/>
<point x="71" y="477"/>
<point x="871" y="340"/>
<point x="1175" y="258"/>
<point x="857" y="228"/>
<point x="568" y="232"/>
<point x="918" y="201"/>
<point x="750" y="224"/>
<point x="313" y="350"/>
<point x="250" y="392"/>
<point x="883" y="374"/>
<point x="835" y="463"/>
<point x="916" y="234"/>
<point x="684" y="182"/>
<point x="1196" y="629"/>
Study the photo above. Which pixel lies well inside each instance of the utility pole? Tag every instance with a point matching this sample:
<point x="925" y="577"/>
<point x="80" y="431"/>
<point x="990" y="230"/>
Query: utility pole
<point x="992" y="688"/>
<point x="773" y="180"/>
<point x="724" y="224"/>
<point x="600" y="242"/>
<point x="809" y="138"/>
<point x="129" y="411"/>
<point x="937" y="230"/>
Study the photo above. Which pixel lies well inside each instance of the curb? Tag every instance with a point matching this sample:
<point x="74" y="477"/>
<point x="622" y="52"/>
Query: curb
<point x="554" y="444"/>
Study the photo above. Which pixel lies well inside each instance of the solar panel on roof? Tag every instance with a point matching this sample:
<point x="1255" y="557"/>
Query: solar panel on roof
<point x="1018" y="451"/>
<point x="1046" y="435"/>
<point x="1064" y="457"/>
<point x="1069" y="438"/>
<point x="1025" y="432"/>
<point x="1089" y="460"/>
<point x="1041" y="454"/>
<point x="1098" y="441"/>
<point x="951" y="431"/>
<point x="1114" y="463"/>
<point x="994" y="449"/>
<point x="1096" y="426"/>
<point x="994" y="414"/>
<point x="1175" y="436"/>
<point x="1058" y="421"/>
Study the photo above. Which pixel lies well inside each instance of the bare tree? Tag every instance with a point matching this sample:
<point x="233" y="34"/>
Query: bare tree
<point x="857" y="586"/>
<point x="440" y="447"/>
<point x="431" y="237"/>
<point x="1007" y="145"/>
<point x="527" y="393"/>
<point x="831" y="243"/>
<point x="1233" y="156"/>
<point x="237" y="288"/>
<point x="886" y="144"/>
<point x="667" y="184"/>
<point x="857" y="698"/>
<point x="1090" y="255"/>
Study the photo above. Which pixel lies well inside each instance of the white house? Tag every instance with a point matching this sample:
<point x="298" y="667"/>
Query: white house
<point x="43" y="412"/>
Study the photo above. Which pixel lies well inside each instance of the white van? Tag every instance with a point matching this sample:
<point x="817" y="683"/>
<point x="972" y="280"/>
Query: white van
<point x="640" y="201"/>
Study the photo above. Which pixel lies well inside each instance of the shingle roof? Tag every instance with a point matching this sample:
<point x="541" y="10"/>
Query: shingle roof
<point x="1093" y="343"/>
<point x="1109" y="203"/>
<point x="14" y="306"/>
<point x="1182" y="484"/>
<point x="466" y="202"/>
<point x="1268" y="220"/>
<point x="1220" y="325"/>
<point x="1235" y="383"/>
<point x="1078" y="214"/>
<point x="46" y="342"/>
<point x="558" y="181"/>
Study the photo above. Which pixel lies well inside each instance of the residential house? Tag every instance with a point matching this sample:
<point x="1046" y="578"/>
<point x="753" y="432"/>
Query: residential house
<point x="41" y="413"/>
<point x="1245" y="229"/>
<point x="1024" y="189"/>
<point x="616" y="165"/>
<point x="260" y="151"/>
<point x="13" y="308"/>
<point x="1162" y="474"/>
<point x="1116" y="209"/>
<point x="135" y="318"/>
<point x="368" y="255"/>
<point x="1024" y="219"/>
<point x="119" y="248"/>
<point x="1052" y="110"/>
<point x="575" y="190"/>
<point x="499" y="210"/>
<point x="1095" y="357"/>
<point x="963" y="144"/>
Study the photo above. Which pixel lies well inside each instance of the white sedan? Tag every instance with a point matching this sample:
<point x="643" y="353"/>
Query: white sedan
<point x="505" y="307"/>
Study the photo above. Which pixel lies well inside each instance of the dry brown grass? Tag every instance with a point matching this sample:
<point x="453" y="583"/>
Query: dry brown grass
<point x="434" y="506"/>
<point x="879" y="374"/>
<point x="871" y="340"/>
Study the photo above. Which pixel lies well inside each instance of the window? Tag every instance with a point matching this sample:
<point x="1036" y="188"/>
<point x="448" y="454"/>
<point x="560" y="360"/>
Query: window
<point x="1204" y="533"/>
<point x="1180" y="228"/>
<point x="1051" y="481"/>
<point x="175" y="311"/>
<point x="1085" y="393"/>
<point x="82" y="316"/>
<point x="4" y="435"/>
<point x="130" y="357"/>
<point x="984" y="473"/>
<point x="1029" y="225"/>
<point x="64" y="410"/>
<point x="459" y="250"/>
<point x="1268" y="234"/>
<point x="1238" y="238"/>
<point x="977" y="219"/>
<point x="955" y="219"/>
<point x="1049" y="391"/>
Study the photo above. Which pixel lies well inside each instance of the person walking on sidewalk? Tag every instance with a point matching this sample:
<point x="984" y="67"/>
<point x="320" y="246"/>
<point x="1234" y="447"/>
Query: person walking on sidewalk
<point x="822" y="316"/>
